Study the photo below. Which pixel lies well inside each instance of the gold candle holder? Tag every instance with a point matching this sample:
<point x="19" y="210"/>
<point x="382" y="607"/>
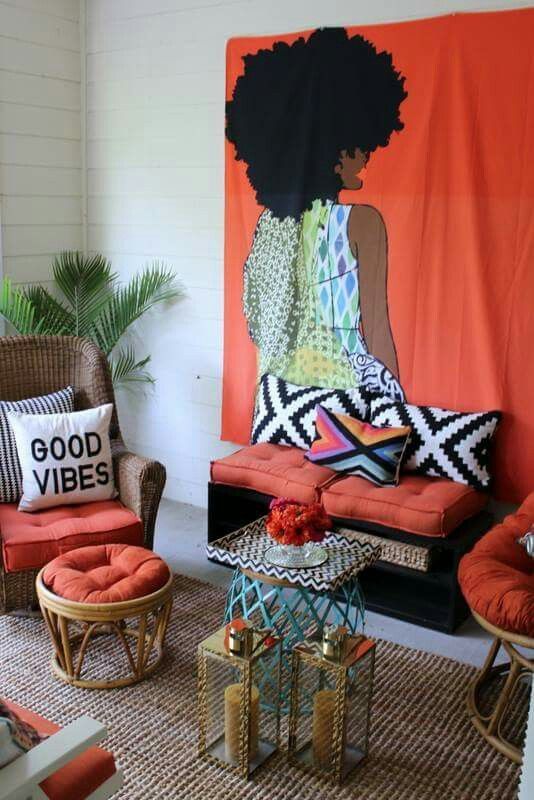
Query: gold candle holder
<point x="240" y="638"/>
<point x="239" y="697"/>
<point x="334" y="642"/>
<point x="331" y="682"/>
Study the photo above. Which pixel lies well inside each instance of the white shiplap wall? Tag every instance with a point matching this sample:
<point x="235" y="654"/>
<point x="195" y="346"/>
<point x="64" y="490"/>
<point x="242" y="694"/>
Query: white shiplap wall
<point x="155" y="108"/>
<point x="40" y="123"/>
<point x="149" y="95"/>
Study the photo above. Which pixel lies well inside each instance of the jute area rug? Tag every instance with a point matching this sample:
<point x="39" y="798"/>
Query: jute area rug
<point x="422" y="745"/>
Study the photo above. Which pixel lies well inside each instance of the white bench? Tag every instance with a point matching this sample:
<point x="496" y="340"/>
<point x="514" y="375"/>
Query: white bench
<point x="20" y="779"/>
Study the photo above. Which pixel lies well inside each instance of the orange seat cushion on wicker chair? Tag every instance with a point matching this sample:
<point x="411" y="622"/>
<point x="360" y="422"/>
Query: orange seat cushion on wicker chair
<point x="497" y="576"/>
<point x="421" y="505"/>
<point x="78" y="778"/>
<point x="272" y="469"/>
<point x="29" y="541"/>
<point x="109" y="573"/>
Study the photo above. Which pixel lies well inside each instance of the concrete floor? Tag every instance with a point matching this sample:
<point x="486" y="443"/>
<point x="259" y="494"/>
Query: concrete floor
<point x="181" y="539"/>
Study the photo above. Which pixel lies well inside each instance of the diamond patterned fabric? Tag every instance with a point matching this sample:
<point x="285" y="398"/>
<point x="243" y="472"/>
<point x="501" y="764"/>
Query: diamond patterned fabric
<point x="302" y="303"/>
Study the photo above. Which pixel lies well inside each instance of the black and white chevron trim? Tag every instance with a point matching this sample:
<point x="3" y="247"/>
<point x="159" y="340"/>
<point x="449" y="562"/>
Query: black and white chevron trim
<point x="443" y="444"/>
<point x="285" y="412"/>
<point x="246" y="548"/>
<point x="61" y="402"/>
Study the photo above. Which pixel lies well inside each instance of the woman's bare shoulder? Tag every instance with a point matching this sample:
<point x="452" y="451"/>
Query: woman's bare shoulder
<point x="366" y="229"/>
<point x="365" y="223"/>
<point x="361" y="214"/>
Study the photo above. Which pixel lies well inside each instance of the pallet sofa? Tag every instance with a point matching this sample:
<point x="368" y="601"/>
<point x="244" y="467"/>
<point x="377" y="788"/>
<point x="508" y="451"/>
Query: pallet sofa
<point x="425" y="525"/>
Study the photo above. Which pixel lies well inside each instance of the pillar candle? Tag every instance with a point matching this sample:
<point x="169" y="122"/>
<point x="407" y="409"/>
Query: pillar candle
<point x="324" y="703"/>
<point x="232" y="699"/>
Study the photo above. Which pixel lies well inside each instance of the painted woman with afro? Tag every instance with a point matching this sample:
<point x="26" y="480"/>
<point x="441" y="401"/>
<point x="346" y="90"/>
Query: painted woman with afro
<point x="306" y="118"/>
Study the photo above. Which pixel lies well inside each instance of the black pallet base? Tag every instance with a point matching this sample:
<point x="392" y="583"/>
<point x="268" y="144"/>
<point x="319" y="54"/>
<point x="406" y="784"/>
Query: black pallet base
<point x="431" y="599"/>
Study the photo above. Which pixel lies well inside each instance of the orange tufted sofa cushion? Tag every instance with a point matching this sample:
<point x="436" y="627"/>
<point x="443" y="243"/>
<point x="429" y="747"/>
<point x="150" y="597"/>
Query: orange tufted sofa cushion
<point x="29" y="541"/>
<point x="425" y="506"/>
<point x="497" y="576"/>
<point x="78" y="778"/>
<point x="420" y="505"/>
<point x="110" y="573"/>
<point x="272" y="469"/>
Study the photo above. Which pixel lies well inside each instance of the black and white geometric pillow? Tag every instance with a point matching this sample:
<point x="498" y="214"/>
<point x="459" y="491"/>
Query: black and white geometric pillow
<point x="61" y="402"/>
<point x="443" y="444"/>
<point x="285" y="412"/>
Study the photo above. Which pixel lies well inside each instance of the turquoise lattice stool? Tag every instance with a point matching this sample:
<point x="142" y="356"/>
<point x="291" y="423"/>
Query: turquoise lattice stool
<point x="294" y="602"/>
<point x="292" y="611"/>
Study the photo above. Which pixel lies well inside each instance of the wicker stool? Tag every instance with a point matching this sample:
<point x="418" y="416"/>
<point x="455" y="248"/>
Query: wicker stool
<point x="497" y="580"/>
<point x="119" y="590"/>
<point x="491" y="724"/>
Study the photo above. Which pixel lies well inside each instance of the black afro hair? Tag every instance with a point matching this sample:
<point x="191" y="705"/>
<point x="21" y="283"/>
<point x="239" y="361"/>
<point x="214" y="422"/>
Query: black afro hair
<point x="298" y="106"/>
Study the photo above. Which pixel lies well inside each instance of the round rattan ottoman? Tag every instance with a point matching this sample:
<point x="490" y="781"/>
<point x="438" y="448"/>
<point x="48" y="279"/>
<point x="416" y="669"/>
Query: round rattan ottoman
<point x="117" y="593"/>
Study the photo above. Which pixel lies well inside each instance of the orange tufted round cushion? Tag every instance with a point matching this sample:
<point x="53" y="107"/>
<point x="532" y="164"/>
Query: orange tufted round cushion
<point x="497" y="576"/>
<point x="109" y="573"/>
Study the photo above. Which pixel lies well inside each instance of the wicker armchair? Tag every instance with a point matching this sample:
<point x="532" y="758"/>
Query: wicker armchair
<point x="36" y="365"/>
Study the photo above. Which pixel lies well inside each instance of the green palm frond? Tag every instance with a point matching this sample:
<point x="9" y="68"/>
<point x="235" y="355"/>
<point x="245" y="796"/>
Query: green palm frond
<point x="18" y="310"/>
<point x="86" y="283"/>
<point x="93" y="305"/>
<point x="154" y="285"/>
<point x="54" y="317"/>
<point x="125" y="369"/>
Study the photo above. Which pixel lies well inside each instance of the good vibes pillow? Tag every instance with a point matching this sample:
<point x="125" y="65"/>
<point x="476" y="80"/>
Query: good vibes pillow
<point x="65" y="458"/>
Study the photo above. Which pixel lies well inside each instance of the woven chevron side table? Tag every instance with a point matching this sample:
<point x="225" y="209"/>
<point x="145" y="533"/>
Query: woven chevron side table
<point x="295" y="603"/>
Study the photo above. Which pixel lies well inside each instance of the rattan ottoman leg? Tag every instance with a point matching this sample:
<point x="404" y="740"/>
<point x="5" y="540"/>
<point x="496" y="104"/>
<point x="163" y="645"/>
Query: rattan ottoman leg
<point x="504" y="697"/>
<point x="65" y="643"/>
<point x="52" y="625"/>
<point x="141" y="644"/>
<point x="164" y="622"/>
<point x="479" y="680"/>
<point x="88" y="633"/>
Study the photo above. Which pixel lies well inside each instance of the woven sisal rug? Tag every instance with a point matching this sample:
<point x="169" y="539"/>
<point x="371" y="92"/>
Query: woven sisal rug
<point x="422" y="745"/>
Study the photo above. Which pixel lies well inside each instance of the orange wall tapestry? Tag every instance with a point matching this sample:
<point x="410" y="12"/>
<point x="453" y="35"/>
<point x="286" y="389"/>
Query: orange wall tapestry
<point x="412" y="144"/>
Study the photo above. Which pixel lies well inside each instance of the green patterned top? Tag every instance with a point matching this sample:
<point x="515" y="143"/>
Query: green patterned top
<point x="280" y="303"/>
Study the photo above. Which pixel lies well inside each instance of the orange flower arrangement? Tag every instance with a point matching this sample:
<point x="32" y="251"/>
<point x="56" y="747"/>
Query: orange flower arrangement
<point x="294" y="523"/>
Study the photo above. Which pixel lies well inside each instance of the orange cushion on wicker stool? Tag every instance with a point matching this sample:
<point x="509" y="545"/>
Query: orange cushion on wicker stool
<point x="106" y="574"/>
<point x="78" y="778"/>
<point x="29" y="541"/>
<point x="421" y="505"/>
<point x="497" y="576"/>
<point x="272" y="469"/>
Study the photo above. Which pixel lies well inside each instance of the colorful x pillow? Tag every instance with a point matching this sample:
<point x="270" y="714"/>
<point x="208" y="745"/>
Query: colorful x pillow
<point x="353" y="447"/>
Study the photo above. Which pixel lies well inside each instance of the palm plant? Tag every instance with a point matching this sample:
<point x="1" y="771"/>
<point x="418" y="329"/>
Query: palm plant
<point x="91" y="302"/>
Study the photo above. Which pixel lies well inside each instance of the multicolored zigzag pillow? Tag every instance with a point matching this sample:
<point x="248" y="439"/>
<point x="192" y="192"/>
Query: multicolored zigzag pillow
<point x="348" y="445"/>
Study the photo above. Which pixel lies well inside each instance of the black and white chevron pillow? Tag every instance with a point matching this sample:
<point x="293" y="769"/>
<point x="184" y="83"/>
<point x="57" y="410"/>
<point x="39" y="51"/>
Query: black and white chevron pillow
<point x="10" y="473"/>
<point x="443" y="444"/>
<point x="285" y="412"/>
